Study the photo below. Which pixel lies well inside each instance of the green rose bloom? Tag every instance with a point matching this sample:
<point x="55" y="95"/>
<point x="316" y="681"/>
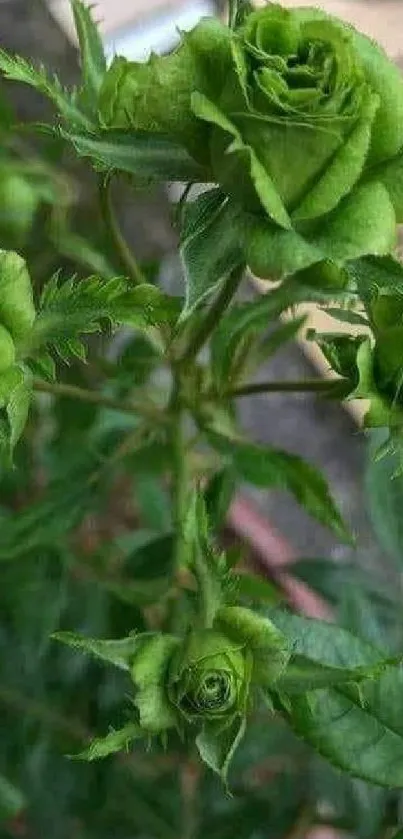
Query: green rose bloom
<point x="206" y="681"/>
<point x="299" y="119"/>
<point x="209" y="677"/>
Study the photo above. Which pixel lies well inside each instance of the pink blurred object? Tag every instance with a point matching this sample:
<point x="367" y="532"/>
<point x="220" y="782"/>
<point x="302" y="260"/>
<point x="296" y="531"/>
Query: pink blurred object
<point x="276" y="554"/>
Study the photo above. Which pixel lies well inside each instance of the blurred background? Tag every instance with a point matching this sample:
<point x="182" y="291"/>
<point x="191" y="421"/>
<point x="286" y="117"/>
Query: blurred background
<point x="61" y="573"/>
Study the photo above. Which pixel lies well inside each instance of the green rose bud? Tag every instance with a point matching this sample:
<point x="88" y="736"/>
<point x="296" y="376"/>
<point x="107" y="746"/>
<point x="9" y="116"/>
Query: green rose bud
<point x="298" y="117"/>
<point x="208" y="677"/>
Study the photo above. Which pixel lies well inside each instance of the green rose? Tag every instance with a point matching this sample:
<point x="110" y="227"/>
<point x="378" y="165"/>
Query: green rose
<point x="297" y="116"/>
<point x="207" y="680"/>
<point x="209" y="677"/>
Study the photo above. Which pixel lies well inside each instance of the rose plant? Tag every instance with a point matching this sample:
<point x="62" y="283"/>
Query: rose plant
<point x="290" y="125"/>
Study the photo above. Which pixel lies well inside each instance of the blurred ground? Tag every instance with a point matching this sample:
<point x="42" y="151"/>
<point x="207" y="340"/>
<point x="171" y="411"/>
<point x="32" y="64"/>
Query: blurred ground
<point x="323" y="433"/>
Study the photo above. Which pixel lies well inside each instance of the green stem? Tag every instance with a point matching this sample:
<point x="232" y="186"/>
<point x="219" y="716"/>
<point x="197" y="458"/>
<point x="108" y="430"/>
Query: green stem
<point x="128" y="262"/>
<point x="213" y="315"/>
<point x="303" y="386"/>
<point x="95" y="398"/>
<point x="180" y="472"/>
<point x="232" y="13"/>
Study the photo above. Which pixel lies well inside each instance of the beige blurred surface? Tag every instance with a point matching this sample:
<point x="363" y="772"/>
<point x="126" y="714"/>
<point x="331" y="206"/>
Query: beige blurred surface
<point x="113" y="14"/>
<point x="381" y="19"/>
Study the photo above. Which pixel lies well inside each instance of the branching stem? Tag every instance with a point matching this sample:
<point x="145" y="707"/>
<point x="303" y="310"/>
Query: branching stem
<point x="141" y="409"/>
<point x="325" y="386"/>
<point x="213" y="315"/>
<point x="126" y="258"/>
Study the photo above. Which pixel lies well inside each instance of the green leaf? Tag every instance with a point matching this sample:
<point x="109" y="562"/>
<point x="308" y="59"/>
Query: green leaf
<point x="358" y="726"/>
<point x="92" y="55"/>
<point x="155" y="96"/>
<point x="352" y="733"/>
<point x="267" y="467"/>
<point x="270" y="648"/>
<point x="303" y="674"/>
<point x="241" y="326"/>
<point x="218" y="496"/>
<point x="217" y="744"/>
<point x="120" y="652"/>
<point x="12" y="800"/>
<point x="147" y="570"/>
<point x="18" y="69"/>
<point x="47" y="522"/>
<point x="269" y="345"/>
<point x="340" y="352"/>
<point x="115" y="741"/>
<point x="325" y="643"/>
<point x="154" y="502"/>
<point x="146" y="307"/>
<point x="210" y="247"/>
<point x="374" y="274"/>
<point x="149" y="672"/>
<point x="347" y="315"/>
<point x="210" y="570"/>
<point x="73" y="308"/>
<point x="145" y="155"/>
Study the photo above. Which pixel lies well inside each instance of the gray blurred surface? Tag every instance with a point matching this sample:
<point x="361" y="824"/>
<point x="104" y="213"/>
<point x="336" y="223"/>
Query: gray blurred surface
<point x="321" y="432"/>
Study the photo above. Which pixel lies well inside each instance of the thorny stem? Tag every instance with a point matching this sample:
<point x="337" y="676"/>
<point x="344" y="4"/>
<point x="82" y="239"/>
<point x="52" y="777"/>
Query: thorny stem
<point x="95" y="398"/>
<point x="128" y="262"/>
<point x="303" y="386"/>
<point x="213" y="315"/>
